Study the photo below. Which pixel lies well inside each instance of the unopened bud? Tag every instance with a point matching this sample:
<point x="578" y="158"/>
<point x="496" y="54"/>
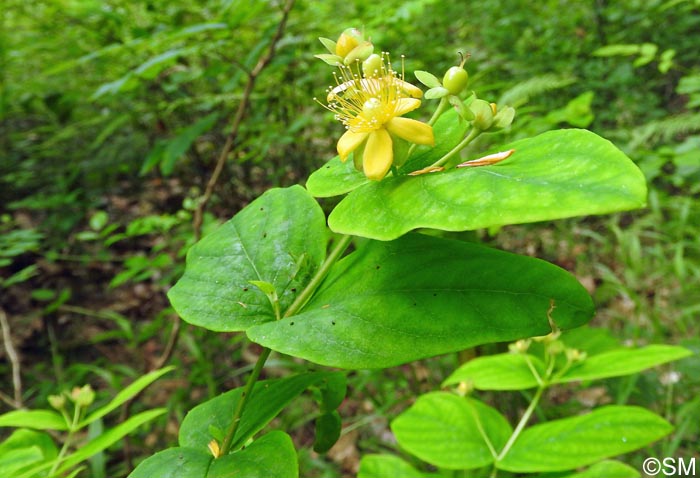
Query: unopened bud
<point x="575" y="355"/>
<point x="83" y="396"/>
<point x="520" y="347"/>
<point x="372" y="66"/>
<point x="360" y="53"/>
<point x="483" y="114"/>
<point x="555" y="347"/>
<point x="348" y="41"/>
<point x="57" y="401"/>
<point x="465" y="388"/>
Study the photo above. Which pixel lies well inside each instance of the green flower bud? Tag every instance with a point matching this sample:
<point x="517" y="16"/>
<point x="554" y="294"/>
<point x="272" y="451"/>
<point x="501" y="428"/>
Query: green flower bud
<point x="57" y="401"/>
<point x="519" y="347"/>
<point x="455" y="80"/>
<point x="575" y="355"/>
<point x="348" y="41"/>
<point x="360" y="53"/>
<point x="372" y="66"/>
<point x="483" y="114"/>
<point x="555" y="348"/>
<point x="83" y="396"/>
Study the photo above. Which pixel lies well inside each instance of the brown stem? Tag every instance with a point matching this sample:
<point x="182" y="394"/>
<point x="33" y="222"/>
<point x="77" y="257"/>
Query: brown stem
<point x="14" y="360"/>
<point x="252" y="75"/>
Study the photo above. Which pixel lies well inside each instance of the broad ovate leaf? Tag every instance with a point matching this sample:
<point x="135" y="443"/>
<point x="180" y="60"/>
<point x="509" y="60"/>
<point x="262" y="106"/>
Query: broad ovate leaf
<point x="450" y="431"/>
<point x="279" y="239"/>
<point x="270" y="456"/>
<point x="573" y="442"/>
<point x="419" y="296"/>
<point x="499" y="372"/>
<point x="554" y="175"/>
<point x="623" y="361"/>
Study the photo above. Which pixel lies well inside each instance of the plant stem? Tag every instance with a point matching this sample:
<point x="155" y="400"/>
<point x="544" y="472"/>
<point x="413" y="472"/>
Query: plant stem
<point x="523" y="421"/>
<point x="316" y="280"/>
<point x="454" y="151"/>
<point x="298" y="303"/>
<point x="238" y="412"/>
<point x="72" y="428"/>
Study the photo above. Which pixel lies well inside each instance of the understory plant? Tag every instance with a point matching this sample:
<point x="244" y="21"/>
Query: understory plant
<point x="453" y="430"/>
<point x="31" y="452"/>
<point x="376" y="284"/>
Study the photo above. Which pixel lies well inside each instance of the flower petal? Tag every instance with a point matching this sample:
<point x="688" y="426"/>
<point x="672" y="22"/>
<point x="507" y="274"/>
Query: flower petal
<point x="410" y="89"/>
<point x="404" y="105"/>
<point x="348" y="143"/>
<point x="378" y="154"/>
<point x="411" y="130"/>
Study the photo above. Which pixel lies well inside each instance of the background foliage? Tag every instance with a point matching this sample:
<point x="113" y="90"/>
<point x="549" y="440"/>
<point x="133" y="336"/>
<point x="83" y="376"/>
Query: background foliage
<point x="113" y="115"/>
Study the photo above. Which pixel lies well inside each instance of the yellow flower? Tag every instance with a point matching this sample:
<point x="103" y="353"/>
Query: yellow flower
<point x="371" y="108"/>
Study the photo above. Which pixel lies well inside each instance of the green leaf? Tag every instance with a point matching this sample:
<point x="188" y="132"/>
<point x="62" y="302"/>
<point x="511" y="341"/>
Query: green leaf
<point x="617" y="50"/>
<point x="446" y="431"/>
<point x="110" y="437"/>
<point x="279" y="238"/>
<point x="436" y="93"/>
<point x="36" y="419"/>
<point x="579" y="441"/>
<point x="419" y="296"/>
<point x="271" y="456"/>
<point x="427" y="78"/>
<point x="499" y="372"/>
<point x="335" y="178"/>
<point x="268" y="398"/>
<point x="125" y="395"/>
<point x="621" y="362"/>
<point x="332" y="392"/>
<point x="385" y="466"/>
<point x="267" y="288"/>
<point x="328" y="428"/>
<point x="23" y="449"/>
<point x="554" y="175"/>
<point x="174" y="463"/>
<point x="607" y="469"/>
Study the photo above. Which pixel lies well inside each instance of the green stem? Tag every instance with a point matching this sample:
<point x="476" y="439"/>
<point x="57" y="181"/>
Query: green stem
<point x="454" y="151"/>
<point x="72" y="428"/>
<point x="238" y="412"/>
<point x="523" y="421"/>
<point x="316" y="280"/>
<point x="298" y="303"/>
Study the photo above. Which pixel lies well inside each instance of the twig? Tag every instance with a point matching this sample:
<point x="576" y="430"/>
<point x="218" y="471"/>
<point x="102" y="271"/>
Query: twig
<point x="263" y="61"/>
<point x="170" y="346"/>
<point x="14" y="360"/>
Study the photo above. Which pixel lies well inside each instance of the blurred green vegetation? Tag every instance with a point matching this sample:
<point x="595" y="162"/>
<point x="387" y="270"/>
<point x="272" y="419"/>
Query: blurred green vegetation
<point x="113" y="114"/>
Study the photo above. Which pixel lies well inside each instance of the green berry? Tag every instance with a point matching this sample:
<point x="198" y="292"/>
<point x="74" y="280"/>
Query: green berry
<point x="455" y="80"/>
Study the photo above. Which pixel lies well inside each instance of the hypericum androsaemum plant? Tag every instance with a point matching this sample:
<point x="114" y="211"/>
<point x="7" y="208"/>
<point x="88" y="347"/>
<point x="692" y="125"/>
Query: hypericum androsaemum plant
<point x="454" y="431"/>
<point x="276" y="273"/>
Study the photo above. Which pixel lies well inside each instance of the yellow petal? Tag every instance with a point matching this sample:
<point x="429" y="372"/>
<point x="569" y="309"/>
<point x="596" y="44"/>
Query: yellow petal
<point x="378" y="154"/>
<point x="410" y="89"/>
<point x="404" y="105"/>
<point x="348" y="143"/>
<point x="411" y="130"/>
